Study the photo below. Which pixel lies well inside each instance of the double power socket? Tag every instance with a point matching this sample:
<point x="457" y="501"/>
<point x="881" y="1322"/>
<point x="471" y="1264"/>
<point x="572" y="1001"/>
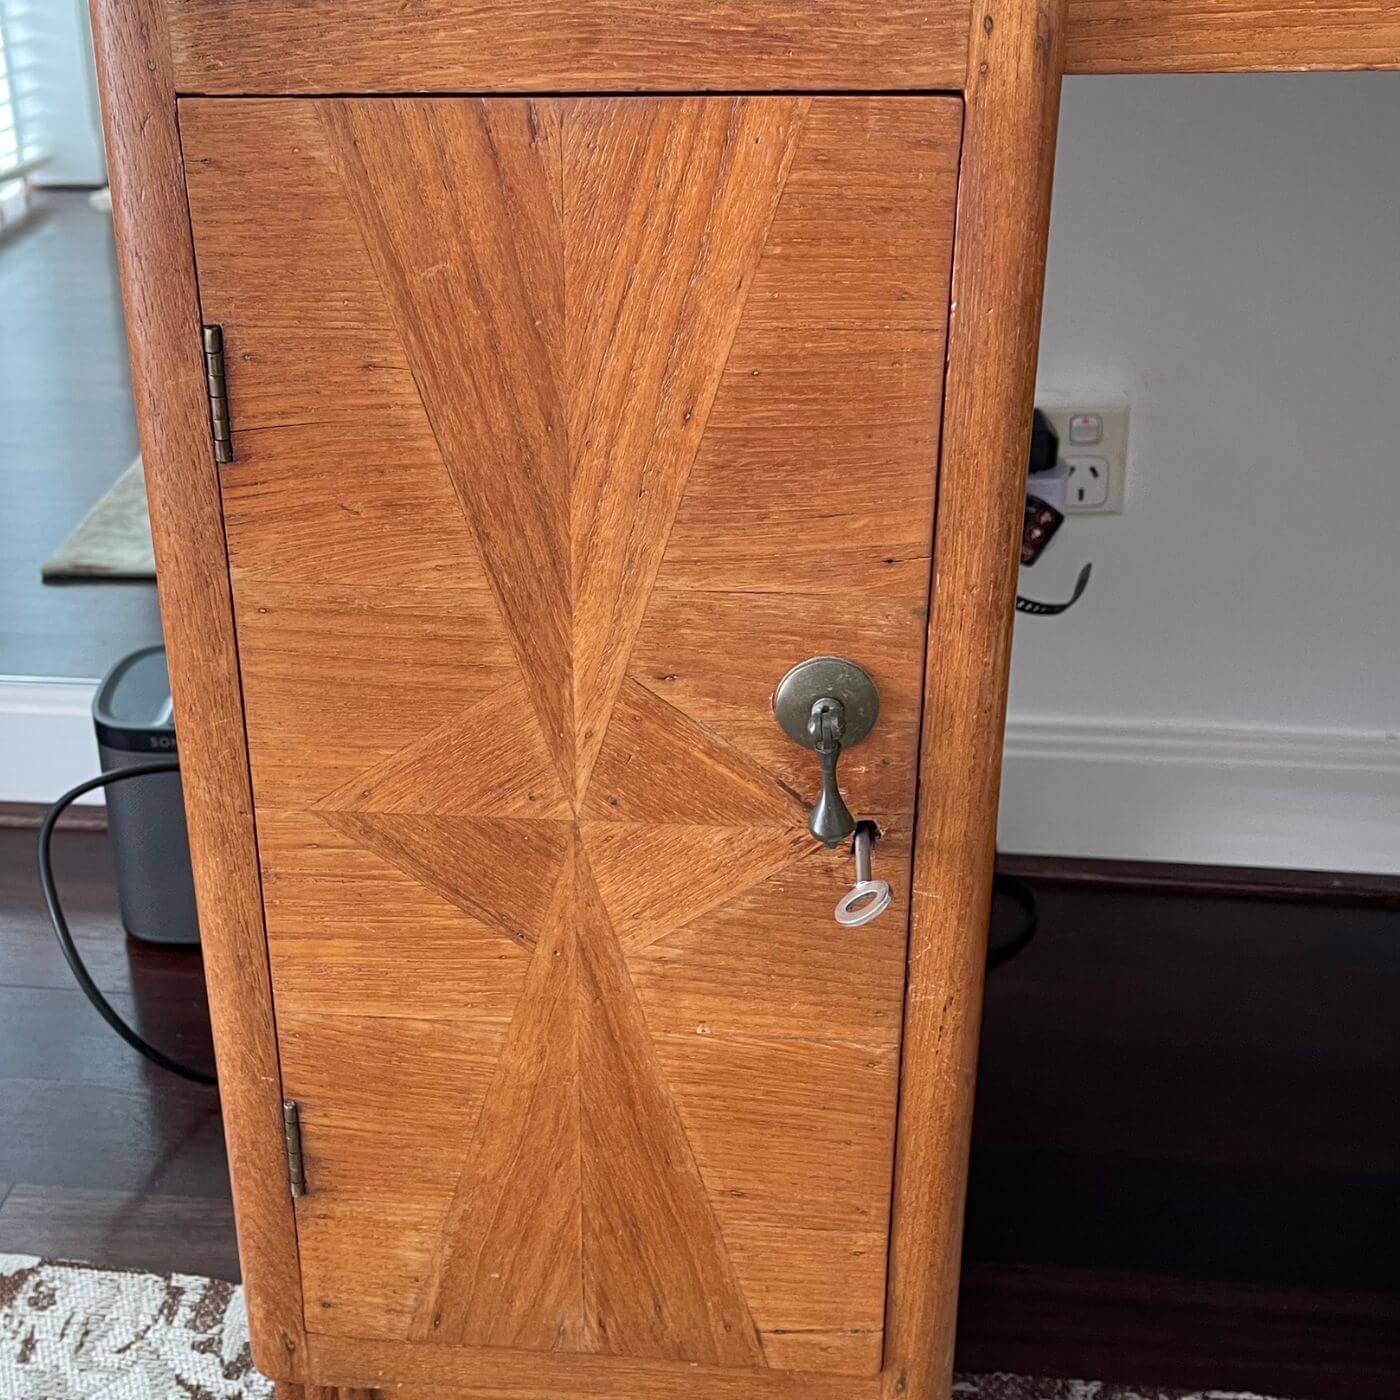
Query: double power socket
<point x="1094" y="455"/>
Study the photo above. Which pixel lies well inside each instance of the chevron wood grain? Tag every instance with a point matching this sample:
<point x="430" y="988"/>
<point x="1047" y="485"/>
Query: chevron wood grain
<point x="443" y="1076"/>
<point x="351" y="933"/>
<point x="655" y="879"/>
<point x="515" y="1224"/>
<point x="592" y="417"/>
<point x="424" y="777"/>
<point x="458" y="204"/>
<point x="372" y="665"/>
<point x="501" y="870"/>
<point x="750" y="968"/>
<point x="665" y="222"/>
<point x="659" y="765"/>
<point x="658" y="1278"/>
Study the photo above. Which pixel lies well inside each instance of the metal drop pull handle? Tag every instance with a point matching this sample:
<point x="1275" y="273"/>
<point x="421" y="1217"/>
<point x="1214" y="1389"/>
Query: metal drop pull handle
<point x="827" y="704"/>
<point x="831" y="820"/>
<point x="868" y="898"/>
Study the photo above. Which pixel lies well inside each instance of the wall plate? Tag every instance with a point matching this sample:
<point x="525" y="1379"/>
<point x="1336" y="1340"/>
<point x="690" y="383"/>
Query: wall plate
<point x="1094" y="449"/>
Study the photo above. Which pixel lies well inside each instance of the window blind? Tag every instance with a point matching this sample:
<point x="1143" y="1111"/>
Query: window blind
<point x="9" y="117"/>
<point x="19" y="153"/>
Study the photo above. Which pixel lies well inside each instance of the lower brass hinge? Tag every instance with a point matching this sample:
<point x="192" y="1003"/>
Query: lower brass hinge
<point x="217" y="385"/>
<point x="291" y="1129"/>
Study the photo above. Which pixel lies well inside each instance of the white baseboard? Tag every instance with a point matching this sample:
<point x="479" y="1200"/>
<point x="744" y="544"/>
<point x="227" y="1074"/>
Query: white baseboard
<point x="47" y="743"/>
<point x="1210" y="795"/>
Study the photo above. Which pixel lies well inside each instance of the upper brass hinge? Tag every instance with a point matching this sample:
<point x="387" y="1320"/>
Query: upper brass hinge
<point x="217" y="385"/>
<point x="291" y="1130"/>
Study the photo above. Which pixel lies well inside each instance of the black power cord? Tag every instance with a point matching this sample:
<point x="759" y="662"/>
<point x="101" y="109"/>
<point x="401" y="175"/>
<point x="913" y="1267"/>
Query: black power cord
<point x="1016" y="891"/>
<point x="1039" y="609"/>
<point x="60" y="924"/>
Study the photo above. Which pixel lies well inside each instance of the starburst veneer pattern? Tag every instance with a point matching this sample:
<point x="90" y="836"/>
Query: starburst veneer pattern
<point x="563" y="428"/>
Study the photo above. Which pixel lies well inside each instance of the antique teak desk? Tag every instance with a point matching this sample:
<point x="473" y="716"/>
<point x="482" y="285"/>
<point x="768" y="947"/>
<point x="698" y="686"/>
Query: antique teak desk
<point x="526" y="387"/>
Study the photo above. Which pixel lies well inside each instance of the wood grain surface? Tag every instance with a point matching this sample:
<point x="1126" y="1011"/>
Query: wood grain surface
<point x="1015" y="58"/>
<point x="383" y="46"/>
<point x="424" y="1371"/>
<point x="1230" y="36"/>
<point x="584" y="1064"/>
<point x="163" y="319"/>
<point x="289" y="1391"/>
<point x="277" y="46"/>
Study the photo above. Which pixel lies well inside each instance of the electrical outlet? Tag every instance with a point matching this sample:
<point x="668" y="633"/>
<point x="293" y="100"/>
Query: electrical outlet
<point x="1086" y="482"/>
<point x="1094" y="451"/>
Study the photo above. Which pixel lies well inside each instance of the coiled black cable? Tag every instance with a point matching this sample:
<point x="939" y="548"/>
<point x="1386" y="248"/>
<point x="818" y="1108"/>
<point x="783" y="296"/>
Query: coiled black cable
<point x="1016" y="891"/>
<point x="65" y="937"/>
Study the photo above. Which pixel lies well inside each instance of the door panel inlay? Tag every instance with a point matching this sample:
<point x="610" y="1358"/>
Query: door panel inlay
<point x="562" y="429"/>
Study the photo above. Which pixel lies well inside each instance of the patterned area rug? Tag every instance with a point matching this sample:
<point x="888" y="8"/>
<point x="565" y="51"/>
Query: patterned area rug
<point x="74" y="1332"/>
<point x="1004" y="1387"/>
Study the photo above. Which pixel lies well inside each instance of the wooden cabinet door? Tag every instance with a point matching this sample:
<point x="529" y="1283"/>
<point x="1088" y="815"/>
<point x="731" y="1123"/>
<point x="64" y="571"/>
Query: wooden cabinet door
<point x="563" y="428"/>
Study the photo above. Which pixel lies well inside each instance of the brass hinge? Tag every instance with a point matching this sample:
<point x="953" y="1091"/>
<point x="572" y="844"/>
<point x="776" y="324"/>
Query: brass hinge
<point x="217" y="385"/>
<point x="291" y="1130"/>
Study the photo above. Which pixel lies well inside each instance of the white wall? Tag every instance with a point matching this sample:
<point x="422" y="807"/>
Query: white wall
<point x="1224" y="254"/>
<point x="47" y="740"/>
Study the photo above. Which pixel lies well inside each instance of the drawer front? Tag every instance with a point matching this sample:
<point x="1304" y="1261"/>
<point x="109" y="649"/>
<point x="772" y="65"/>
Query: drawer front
<point x="562" y="428"/>
<point x="308" y="47"/>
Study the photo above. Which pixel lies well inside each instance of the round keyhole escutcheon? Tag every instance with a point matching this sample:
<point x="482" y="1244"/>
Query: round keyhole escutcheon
<point x="823" y="677"/>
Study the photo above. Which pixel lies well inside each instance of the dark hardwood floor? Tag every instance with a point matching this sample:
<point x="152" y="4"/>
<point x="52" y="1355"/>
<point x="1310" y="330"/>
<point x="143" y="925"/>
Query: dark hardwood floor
<point x="1186" y="1162"/>
<point x="103" y="1157"/>
<point x="67" y="431"/>
<point x="1186" y="1151"/>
